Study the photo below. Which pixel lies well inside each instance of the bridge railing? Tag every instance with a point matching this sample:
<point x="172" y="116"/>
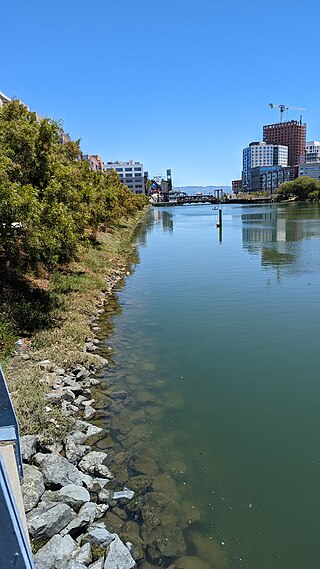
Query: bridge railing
<point x="9" y="430"/>
<point x="14" y="545"/>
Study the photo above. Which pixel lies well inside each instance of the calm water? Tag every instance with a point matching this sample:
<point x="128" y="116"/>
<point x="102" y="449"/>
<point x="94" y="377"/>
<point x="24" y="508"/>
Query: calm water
<point x="217" y="344"/>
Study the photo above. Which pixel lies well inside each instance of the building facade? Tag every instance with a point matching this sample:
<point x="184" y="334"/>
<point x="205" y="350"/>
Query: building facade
<point x="268" y="178"/>
<point x="311" y="169"/>
<point x="95" y="162"/>
<point x="4" y="99"/>
<point x="291" y="134"/>
<point x="130" y="173"/>
<point x="312" y="153"/>
<point x="260" y="154"/>
<point x="236" y="186"/>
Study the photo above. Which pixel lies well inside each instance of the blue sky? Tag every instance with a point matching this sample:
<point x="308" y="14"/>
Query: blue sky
<point x="175" y="84"/>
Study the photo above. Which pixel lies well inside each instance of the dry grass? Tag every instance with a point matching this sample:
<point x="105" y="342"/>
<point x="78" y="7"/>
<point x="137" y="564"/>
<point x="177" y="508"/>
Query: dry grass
<point x="76" y="291"/>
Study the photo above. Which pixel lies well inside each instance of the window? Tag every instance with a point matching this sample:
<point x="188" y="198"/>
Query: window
<point x="119" y="169"/>
<point x="137" y="169"/>
<point x="128" y="175"/>
<point x="128" y="169"/>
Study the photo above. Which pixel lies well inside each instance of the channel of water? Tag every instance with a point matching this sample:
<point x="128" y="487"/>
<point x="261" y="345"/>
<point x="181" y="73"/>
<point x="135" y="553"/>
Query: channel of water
<point x="217" y="346"/>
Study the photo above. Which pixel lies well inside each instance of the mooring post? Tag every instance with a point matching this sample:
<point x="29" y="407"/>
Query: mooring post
<point x="219" y="224"/>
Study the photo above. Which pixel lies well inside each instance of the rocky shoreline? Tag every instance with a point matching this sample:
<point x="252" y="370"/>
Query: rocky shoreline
<point x="93" y="508"/>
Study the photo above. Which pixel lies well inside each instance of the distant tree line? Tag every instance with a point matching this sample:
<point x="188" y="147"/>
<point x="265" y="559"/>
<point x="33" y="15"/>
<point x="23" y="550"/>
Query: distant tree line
<point x="50" y="200"/>
<point x="303" y="188"/>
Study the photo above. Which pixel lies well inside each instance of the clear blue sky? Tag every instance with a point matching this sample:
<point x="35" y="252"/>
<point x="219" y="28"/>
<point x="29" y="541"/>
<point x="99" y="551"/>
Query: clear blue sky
<point x="179" y="84"/>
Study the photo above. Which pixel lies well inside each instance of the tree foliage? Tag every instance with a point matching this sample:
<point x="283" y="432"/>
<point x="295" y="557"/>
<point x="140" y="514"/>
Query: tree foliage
<point x="50" y="200"/>
<point x="304" y="188"/>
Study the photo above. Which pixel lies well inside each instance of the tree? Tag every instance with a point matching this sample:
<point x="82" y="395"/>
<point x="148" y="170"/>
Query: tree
<point x="50" y="201"/>
<point x="304" y="188"/>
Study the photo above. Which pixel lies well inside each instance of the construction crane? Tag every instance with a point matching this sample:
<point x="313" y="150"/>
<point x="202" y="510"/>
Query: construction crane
<point x="284" y="108"/>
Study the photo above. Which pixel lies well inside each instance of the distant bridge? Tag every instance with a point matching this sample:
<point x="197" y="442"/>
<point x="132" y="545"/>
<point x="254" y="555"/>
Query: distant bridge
<point x="185" y="199"/>
<point x="203" y="199"/>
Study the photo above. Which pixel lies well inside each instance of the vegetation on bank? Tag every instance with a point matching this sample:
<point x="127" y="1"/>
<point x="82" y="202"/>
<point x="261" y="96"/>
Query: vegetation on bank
<point x="250" y="195"/>
<point x="51" y="203"/>
<point x="63" y="231"/>
<point x="51" y="208"/>
<point x="69" y="298"/>
<point x="303" y="188"/>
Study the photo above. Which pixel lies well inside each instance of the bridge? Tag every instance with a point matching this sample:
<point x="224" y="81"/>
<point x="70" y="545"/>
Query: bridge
<point x="182" y="199"/>
<point x="204" y="199"/>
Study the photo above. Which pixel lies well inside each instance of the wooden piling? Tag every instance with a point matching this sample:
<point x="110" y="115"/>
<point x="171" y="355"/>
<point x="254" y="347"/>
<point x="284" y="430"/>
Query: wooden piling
<point x="219" y="224"/>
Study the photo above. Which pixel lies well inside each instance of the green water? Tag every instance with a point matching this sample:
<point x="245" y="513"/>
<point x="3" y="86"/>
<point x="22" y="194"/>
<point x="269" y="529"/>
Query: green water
<point x="217" y="344"/>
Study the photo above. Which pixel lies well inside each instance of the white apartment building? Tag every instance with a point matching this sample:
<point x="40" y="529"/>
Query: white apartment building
<point x="131" y="174"/>
<point x="261" y="154"/>
<point x="312" y="153"/>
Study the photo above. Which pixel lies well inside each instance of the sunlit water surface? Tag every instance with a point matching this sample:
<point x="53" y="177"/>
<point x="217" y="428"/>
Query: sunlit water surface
<point x="216" y="340"/>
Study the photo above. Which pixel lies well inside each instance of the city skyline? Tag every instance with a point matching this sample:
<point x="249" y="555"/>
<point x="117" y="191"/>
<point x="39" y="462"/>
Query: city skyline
<point x="179" y="85"/>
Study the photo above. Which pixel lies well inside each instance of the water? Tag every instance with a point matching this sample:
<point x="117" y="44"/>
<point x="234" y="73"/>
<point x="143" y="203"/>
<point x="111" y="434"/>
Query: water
<point x="217" y="344"/>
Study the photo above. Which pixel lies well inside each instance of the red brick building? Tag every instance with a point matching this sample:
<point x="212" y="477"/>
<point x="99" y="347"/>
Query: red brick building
<point x="291" y="134"/>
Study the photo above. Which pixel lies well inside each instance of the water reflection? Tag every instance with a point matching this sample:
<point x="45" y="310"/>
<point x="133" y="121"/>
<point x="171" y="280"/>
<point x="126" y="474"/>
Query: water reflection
<point x="165" y="217"/>
<point x="274" y="232"/>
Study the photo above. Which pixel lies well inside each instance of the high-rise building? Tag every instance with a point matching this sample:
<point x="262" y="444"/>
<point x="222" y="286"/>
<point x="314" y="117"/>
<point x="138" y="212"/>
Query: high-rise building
<point x="264" y="155"/>
<point x="130" y="173"/>
<point x="291" y="134"/>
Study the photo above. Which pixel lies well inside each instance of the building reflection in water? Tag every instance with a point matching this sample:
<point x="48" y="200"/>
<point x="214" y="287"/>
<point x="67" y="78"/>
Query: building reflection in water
<point x="274" y="232"/>
<point x="165" y="217"/>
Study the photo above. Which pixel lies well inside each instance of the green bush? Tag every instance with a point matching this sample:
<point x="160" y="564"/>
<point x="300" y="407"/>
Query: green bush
<point x="7" y="339"/>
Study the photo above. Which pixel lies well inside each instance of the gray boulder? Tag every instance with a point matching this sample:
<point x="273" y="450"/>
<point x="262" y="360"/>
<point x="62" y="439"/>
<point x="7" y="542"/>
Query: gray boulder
<point x="77" y="437"/>
<point x="99" y="536"/>
<point x="75" y="452"/>
<point x="118" y="555"/>
<point x="73" y="495"/>
<point x="89" y="412"/>
<point x="55" y="397"/>
<point x="92" y="463"/>
<point x="28" y="445"/>
<point x="38" y="458"/>
<point x="101" y="510"/>
<point x="72" y="385"/>
<point x="87" y="428"/>
<point x="105" y="496"/>
<point x="32" y="487"/>
<point x="72" y="564"/>
<point x="98" y="564"/>
<point x="59" y="471"/>
<point x="84" y="554"/>
<point x="86" y="516"/>
<point x="47" y="523"/>
<point x="52" y="555"/>
<point x="96" y="484"/>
